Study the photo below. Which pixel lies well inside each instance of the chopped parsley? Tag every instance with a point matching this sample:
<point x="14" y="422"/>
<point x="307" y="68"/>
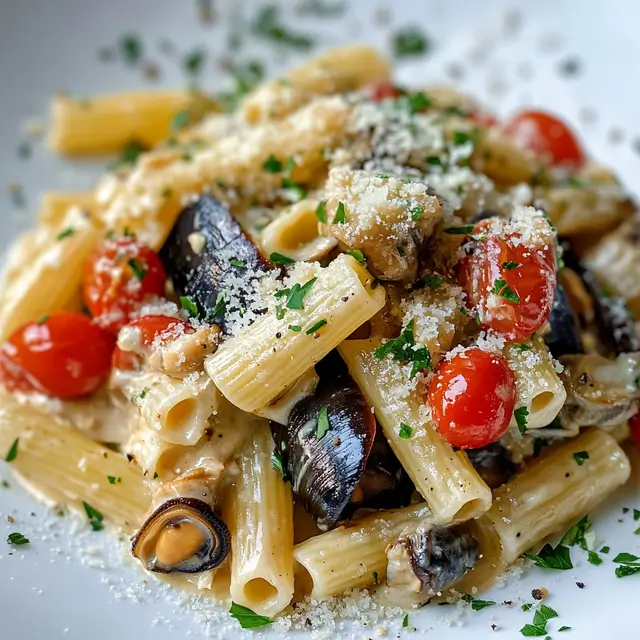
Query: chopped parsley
<point x="460" y="231"/>
<point x="293" y="191"/>
<point x="478" y="605"/>
<point x="523" y="346"/>
<point x="564" y="628"/>
<point x="323" y="422"/>
<point x="605" y="549"/>
<point x="138" y="269"/>
<point x="410" y="42"/>
<point x="272" y="165"/>
<point x="237" y="263"/>
<point x="636" y="514"/>
<point x="13" y="451"/>
<point x="140" y="396"/>
<point x="418" y="102"/>
<point x="509" y="265"/>
<point x="297" y="293"/>
<point x="629" y="565"/>
<point x="194" y="61"/>
<point x="461" y="137"/>
<point x="130" y="48"/>
<point x="581" y="457"/>
<point x="5" y="484"/>
<point x="114" y="479"/>
<point x="277" y="462"/>
<point x="318" y="325"/>
<point x="95" y="517"/>
<point x="180" y="120"/>
<point x="341" y="215"/>
<point x="189" y="305"/>
<point x="502" y="289"/>
<point x="268" y="26"/>
<point x="248" y="619"/>
<point x="526" y="607"/>
<point x="295" y="327"/>
<point x="279" y="259"/>
<point x="405" y="431"/>
<point x="533" y="630"/>
<point x="593" y="558"/>
<point x="416" y="213"/>
<point x="279" y="312"/>
<point x="558" y="557"/>
<point x="155" y="475"/>
<point x="129" y="156"/>
<point x="220" y="306"/>
<point x="42" y="319"/>
<point x="521" y="415"/>
<point x="405" y="620"/>
<point x="403" y="349"/>
<point x="17" y="539"/>
<point x="65" y="233"/>
<point x="357" y="254"/>
<point x="433" y="281"/>
<point x="321" y="211"/>
<point x="576" y="534"/>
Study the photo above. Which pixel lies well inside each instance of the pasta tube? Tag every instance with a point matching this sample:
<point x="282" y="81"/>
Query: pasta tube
<point x="259" y="512"/>
<point x="555" y="490"/>
<point x="255" y="368"/>
<point x="445" y="478"/>
<point x="55" y="205"/>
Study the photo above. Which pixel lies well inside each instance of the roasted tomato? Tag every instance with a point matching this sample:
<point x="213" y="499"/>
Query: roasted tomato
<point x="64" y="355"/>
<point x="548" y="136"/>
<point x="472" y="397"/>
<point x="379" y="91"/>
<point x="147" y="332"/>
<point x="118" y="277"/>
<point x="511" y="285"/>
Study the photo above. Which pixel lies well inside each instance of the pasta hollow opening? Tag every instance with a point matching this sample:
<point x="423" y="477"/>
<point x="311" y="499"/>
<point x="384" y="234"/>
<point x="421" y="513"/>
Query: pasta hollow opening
<point x="259" y="590"/>
<point x="181" y="413"/>
<point x="470" y="510"/>
<point x="542" y="401"/>
<point x="304" y="231"/>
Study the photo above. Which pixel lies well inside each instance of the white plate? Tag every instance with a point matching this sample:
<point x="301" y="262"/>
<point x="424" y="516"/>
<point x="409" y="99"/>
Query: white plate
<point x="52" y="590"/>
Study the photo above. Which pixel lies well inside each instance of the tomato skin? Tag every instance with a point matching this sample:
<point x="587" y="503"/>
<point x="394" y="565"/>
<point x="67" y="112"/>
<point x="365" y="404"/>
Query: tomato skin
<point x="111" y="288"/>
<point x="548" y="136"/>
<point x="533" y="282"/>
<point x="151" y="327"/>
<point x="65" y="356"/>
<point x="379" y="91"/>
<point x="472" y="397"/>
<point x="634" y="426"/>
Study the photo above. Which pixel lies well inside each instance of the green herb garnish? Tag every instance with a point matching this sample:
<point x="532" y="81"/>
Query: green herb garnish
<point x="194" y="62"/>
<point x="138" y="269"/>
<point x="248" y="619"/>
<point x="321" y="211"/>
<point x="237" y="263"/>
<point x="558" y="557"/>
<point x="460" y="231"/>
<point x="13" y="451"/>
<point x="114" y="479"/>
<point x="95" y="517"/>
<point x="295" y="327"/>
<point x="277" y="462"/>
<point x="323" y="422"/>
<point x="478" y="605"/>
<point x="313" y="328"/>
<point x="502" y="289"/>
<point x="521" y="415"/>
<point x="297" y="294"/>
<point x="279" y="259"/>
<point x="341" y="215"/>
<point x="293" y="191"/>
<point x="533" y="630"/>
<point x="581" y="457"/>
<point x="433" y="281"/>
<point x="279" y="312"/>
<point x="576" y="534"/>
<point x="409" y="42"/>
<point x="220" y="306"/>
<point x="403" y="349"/>
<point x="130" y="48"/>
<point x="17" y="539"/>
<point x="357" y="254"/>
<point x="189" y="305"/>
<point x="405" y="431"/>
<point x="509" y="265"/>
<point x="65" y="233"/>
<point x="594" y="558"/>
<point x="272" y="165"/>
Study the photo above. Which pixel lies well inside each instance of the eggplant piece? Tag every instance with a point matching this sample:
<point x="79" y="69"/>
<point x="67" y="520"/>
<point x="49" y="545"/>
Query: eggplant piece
<point x="325" y="470"/>
<point x="434" y="558"/>
<point x="493" y="463"/>
<point x="564" y="336"/>
<point x="209" y="259"/>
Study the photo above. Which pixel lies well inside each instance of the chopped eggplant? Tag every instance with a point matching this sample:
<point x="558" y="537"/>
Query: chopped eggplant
<point x="212" y="261"/>
<point x="493" y="463"/>
<point x="564" y="336"/>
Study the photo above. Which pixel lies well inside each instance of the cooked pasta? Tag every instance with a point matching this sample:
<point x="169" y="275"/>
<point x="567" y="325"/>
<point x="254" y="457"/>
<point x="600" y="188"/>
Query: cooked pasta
<point x="330" y="317"/>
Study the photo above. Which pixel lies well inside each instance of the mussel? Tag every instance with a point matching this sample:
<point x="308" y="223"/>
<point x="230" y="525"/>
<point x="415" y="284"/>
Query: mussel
<point x="564" y="335"/>
<point x="326" y="465"/>
<point x="600" y="391"/>
<point x="183" y="535"/>
<point x="433" y="558"/>
<point x="493" y="463"/>
<point x="210" y="259"/>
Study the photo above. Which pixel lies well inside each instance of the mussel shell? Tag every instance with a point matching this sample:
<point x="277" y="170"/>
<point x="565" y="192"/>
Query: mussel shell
<point x="172" y="513"/>
<point x="324" y="471"/>
<point x="564" y="336"/>
<point x="203" y="275"/>
<point x="431" y="560"/>
<point x="493" y="464"/>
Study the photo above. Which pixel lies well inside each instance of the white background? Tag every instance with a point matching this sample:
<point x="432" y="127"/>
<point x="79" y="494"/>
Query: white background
<point x="51" y="45"/>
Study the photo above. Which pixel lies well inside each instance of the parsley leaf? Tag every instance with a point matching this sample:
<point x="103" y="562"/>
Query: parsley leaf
<point x="114" y="479"/>
<point x="405" y="431"/>
<point x="130" y="48"/>
<point x="564" y="628"/>
<point x="279" y="312"/>
<point x="520" y="415"/>
<point x="277" y="462"/>
<point x="543" y="614"/>
<point x="17" y="539"/>
<point x="323" y="422"/>
<point x="581" y="457"/>
<point x="625" y="570"/>
<point x="357" y="254"/>
<point x="636" y="514"/>
<point x="292" y="190"/>
<point x="95" y="517"/>
<point x="341" y="216"/>
<point x="433" y="281"/>
<point x="405" y="620"/>
<point x="418" y="102"/>
<point x="189" y="305"/>
<point x="237" y="263"/>
<point x="605" y="549"/>
<point x="533" y="630"/>
<point x="461" y="137"/>
<point x="180" y="120"/>
<point x="220" y="306"/>
<point x="268" y="25"/>
<point x="410" y="42"/>
<point x="509" y="265"/>
<point x="65" y="233"/>
<point x="272" y="165"/>
<point x="626" y="558"/>
<point x="297" y="294"/>
<point x="248" y="619"/>
<point x="321" y="211"/>
<point x="478" y="605"/>
<point x="416" y="213"/>
<point x="295" y="327"/>
<point x="313" y="328"/>
<point x="550" y="557"/>
<point x="13" y="451"/>
<point x="138" y="269"/>
<point x="502" y="289"/>
<point x="279" y="259"/>
<point x="460" y="231"/>
<point x="576" y="534"/>
<point x="194" y="62"/>
<point x="593" y="558"/>
<point x="403" y="349"/>
<point x="526" y="607"/>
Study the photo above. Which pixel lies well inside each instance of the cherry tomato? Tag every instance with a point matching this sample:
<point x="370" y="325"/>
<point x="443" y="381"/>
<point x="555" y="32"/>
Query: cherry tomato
<point x="65" y="356"/>
<point x="117" y="279"/>
<point x="634" y="425"/>
<point x="151" y="328"/>
<point x="511" y="285"/>
<point x="472" y="397"/>
<point x="548" y="136"/>
<point x="379" y="91"/>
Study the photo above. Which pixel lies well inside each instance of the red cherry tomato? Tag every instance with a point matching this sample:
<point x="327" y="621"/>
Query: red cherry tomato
<point x="512" y="286"/>
<point x="152" y="328"/>
<point x="472" y="397"/>
<point x="547" y="136"/>
<point x="379" y="91"/>
<point x="634" y="426"/>
<point x="117" y="279"/>
<point x="65" y="356"/>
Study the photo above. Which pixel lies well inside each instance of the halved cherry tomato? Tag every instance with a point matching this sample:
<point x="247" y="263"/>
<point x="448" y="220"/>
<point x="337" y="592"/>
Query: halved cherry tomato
<point x="379" y="91"/>
<point x="472" y="397"/>
<point x="634" y="426"/>
<point x="511" y="285"/>
<point x="117" y="279"/>
<point x="66" y="356"/>
<point x="547" y="136"/>
<point x="151" y="329"/>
